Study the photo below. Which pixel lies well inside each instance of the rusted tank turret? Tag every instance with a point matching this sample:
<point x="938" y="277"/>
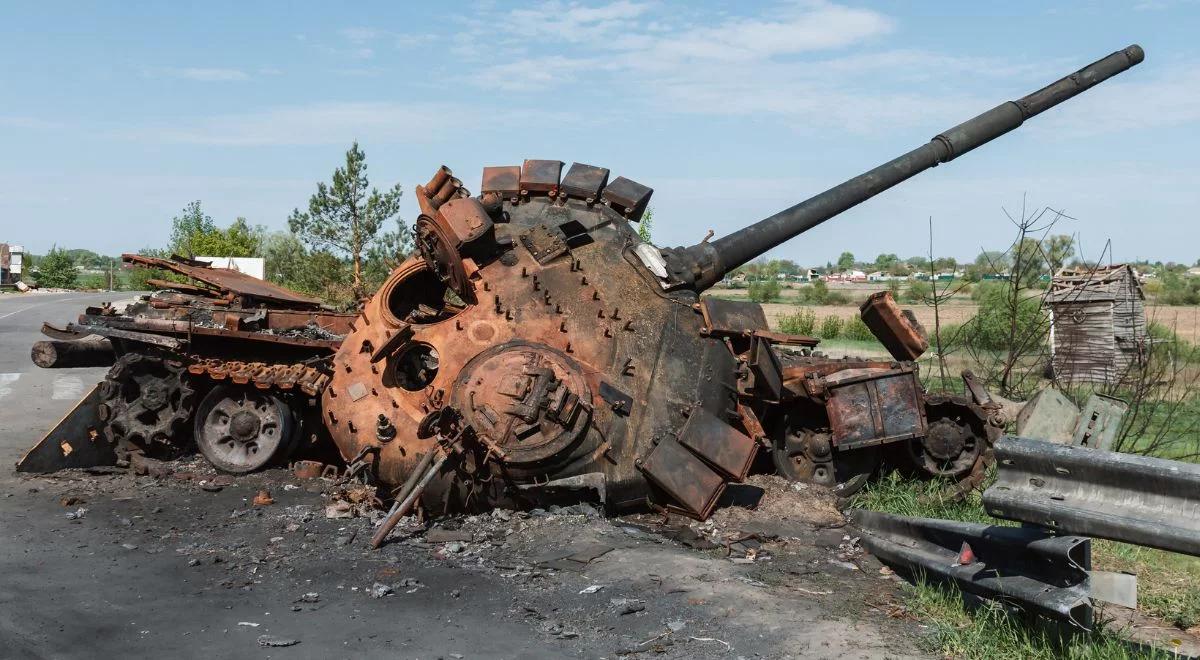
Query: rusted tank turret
<point x="537" y="346"/>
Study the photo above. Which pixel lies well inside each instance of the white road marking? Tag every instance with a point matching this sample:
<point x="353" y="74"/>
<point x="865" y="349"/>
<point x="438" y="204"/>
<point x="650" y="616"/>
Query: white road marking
<point x="67" y="388"/>
<point x="27" y="308"/>
<point x="5" y="381"/>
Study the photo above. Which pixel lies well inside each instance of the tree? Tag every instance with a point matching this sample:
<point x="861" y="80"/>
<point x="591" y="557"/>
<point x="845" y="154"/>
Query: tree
<point x="57" y="269"/>
<point x="344" y="216"/>
<point x="885" y="262"/>
<point x="787" y="267"/>
<point x="1058" y="249"/>
<point x="646" y="224"/>
<point x="188" y="228"/>
<point x="193" y="233"/>
<point x="846" y="261"/>
<point x="1028" y="263"/>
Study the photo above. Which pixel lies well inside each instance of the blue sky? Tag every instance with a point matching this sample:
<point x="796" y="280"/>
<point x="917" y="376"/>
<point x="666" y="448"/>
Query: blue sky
<point x="114" y="116"/>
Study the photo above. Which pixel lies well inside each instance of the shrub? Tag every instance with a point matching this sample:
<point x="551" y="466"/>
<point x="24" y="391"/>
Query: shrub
<point x="992" y="327"/>
<point x="837" y="298"/>
<point x="855" y="329"/>
<point x="831" y="327"/>
<point x="93" y="281"/>
<point x="764" y="291"/>
<point x="803" y="322"/>
<point x="57" y="269"/>
<point x="918" y="291"/>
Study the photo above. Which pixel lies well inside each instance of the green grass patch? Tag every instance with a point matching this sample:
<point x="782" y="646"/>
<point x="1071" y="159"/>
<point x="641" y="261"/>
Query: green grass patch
<point x="954" y="631"/>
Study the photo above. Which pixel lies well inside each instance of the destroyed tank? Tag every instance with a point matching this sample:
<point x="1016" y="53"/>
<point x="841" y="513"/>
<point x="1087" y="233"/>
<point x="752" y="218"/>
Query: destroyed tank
<point x="222" y="362"/>
<point x="537" y="347"/>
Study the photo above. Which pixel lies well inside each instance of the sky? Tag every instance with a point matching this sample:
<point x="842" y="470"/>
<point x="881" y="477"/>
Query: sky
<point x="113" y="116"/>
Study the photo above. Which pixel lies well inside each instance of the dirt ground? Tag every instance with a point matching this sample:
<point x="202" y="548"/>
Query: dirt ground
<point x="103" y="562"/>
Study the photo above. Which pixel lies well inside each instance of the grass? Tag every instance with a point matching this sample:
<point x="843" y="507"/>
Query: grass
<point x="991" y="633"/>
<point x="1168" y="586"/>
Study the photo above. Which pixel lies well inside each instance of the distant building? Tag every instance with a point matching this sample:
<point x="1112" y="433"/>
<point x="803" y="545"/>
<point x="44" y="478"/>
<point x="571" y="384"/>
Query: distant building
<point x="12" y="258"/>
<point x="1097" y="323"/>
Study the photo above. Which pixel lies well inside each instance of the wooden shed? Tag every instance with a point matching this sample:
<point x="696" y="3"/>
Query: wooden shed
<point x="1097" y="323"/>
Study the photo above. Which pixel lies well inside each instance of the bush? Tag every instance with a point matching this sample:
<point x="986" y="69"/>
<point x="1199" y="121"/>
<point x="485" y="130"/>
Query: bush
<point x="918" y="292"/>
<point x="94" y="282"/>
<point x="837" y="298"/>
<point x="803" y="322"/>
<point x="831" y="327"/>
<point x="992" y="327"/>
<point x="764" y="291"/>
<point x="855" y="329"/>
<point x="57" y="269"/>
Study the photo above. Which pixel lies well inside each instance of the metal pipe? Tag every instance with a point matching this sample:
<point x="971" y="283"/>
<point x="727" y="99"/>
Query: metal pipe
<point x="401" y="507"/>
<point x="713" y="260"/>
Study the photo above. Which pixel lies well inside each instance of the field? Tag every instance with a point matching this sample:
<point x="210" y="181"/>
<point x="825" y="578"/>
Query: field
<point x="1184" y="320"/>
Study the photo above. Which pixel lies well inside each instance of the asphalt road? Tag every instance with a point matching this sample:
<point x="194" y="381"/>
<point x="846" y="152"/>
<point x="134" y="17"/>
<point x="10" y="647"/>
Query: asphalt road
<point x="33" y="399"/>
<point x="165" y="568"/>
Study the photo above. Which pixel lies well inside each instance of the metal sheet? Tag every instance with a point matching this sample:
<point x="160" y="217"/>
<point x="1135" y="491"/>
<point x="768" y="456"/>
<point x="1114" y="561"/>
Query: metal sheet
<point x="1074" y="490"/>
<point x="227" y="280"/>
<point x="686" y="478"/>
<point x="872" y="407"/>
<point x="503" y="180"/>
<point x="900" y="333"/>
<point x="720" y="445"/>
<point x="732" y="317"/>
<point x="540" y="176"/>
<point x="629" y="198"/>
<point x="74" y="442"/>
<point x="1049" y="416"/>
<point x="1018" y="565"/>
<point x="584" y="181"/>
<point x="1100" y="422"/>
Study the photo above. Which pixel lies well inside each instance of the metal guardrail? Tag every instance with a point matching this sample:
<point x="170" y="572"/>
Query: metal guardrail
<point x="1023" y="566"/>
<point x="1075" y="490"/>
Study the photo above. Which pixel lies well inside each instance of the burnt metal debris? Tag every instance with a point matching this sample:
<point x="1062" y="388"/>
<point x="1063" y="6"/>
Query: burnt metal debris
<point x="536" y="345"/>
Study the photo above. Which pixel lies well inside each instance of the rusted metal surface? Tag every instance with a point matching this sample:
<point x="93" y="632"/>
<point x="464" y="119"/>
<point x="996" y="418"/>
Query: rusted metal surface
<point x="688" y="480"/>
<point x="76" y="441"/>
<point x="723" y="447"/>
<point x="868" y="407"/>
<point x="899" y="332"/>
<point x="540" y="176"/>
<point x="227" y="281"/>
<point x="283" y="377"/>
<point x="628" y="198"/>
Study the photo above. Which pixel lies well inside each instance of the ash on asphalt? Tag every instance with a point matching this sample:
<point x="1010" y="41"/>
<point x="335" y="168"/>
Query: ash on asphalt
<point x="101" y="563"/>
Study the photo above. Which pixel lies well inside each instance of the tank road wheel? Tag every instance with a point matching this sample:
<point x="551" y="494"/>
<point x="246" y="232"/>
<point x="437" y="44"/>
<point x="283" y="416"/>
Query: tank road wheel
<point x="243" y="429"/>
<point x="808" y="456"/>
<point x="146" y="402"/>
<point x="956" y="441"/>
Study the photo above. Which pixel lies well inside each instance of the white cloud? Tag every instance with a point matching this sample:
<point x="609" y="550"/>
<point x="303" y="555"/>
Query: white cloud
<point x="340" y="123"/>
<point x="34" y="123"/>
<point x="205" y="74"/>
<point x="360" y="34"/>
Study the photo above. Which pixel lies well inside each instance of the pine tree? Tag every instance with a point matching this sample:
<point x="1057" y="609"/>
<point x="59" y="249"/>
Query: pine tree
<point x="345" y="217"/>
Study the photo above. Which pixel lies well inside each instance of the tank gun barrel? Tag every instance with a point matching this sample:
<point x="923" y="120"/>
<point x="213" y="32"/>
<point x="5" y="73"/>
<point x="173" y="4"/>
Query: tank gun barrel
<point x="701" y="266"/>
